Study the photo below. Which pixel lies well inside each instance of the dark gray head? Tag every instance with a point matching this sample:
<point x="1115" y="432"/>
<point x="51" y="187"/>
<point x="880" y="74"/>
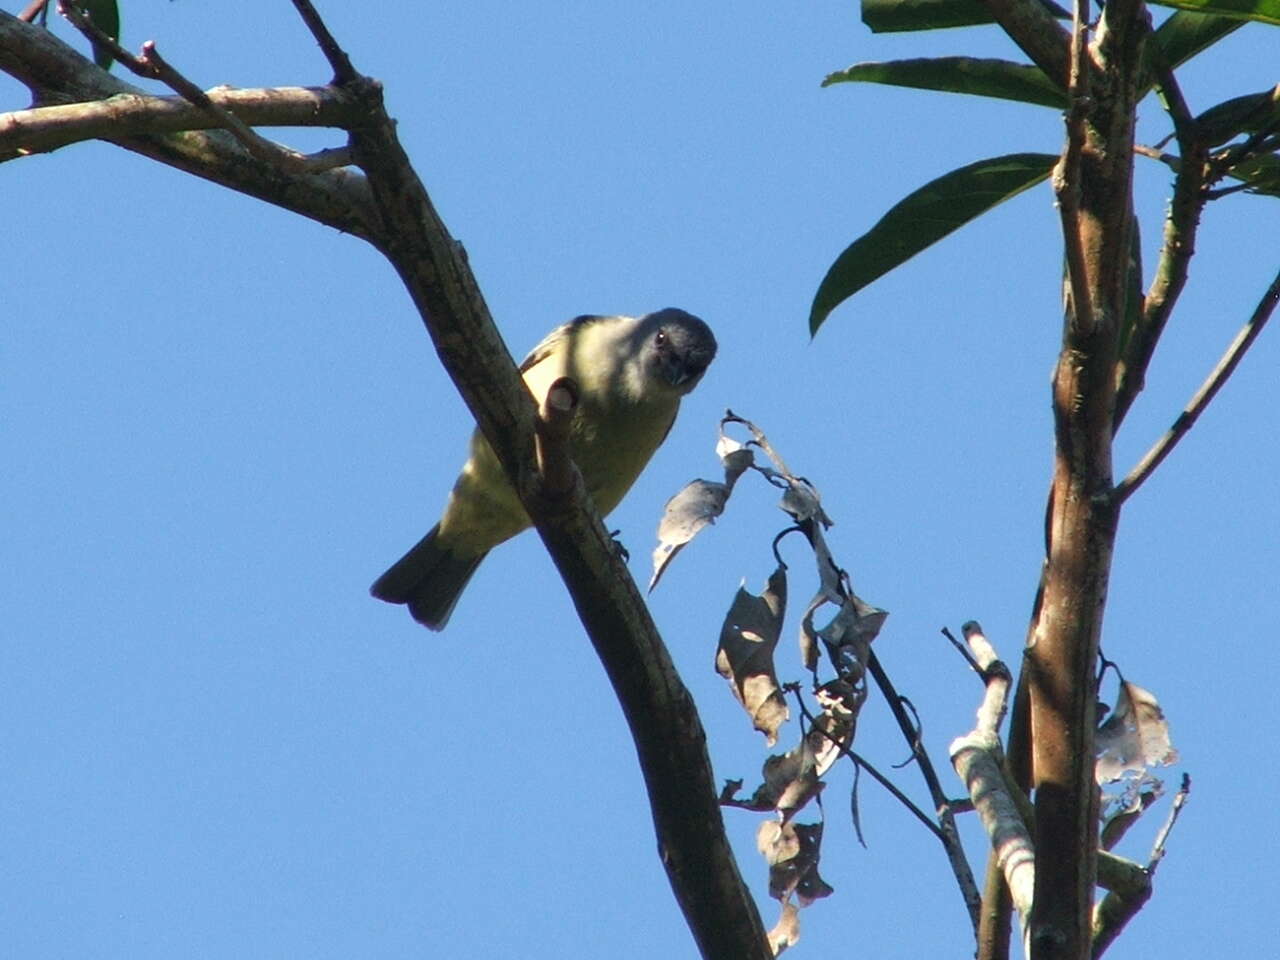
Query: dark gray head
<point x="679" y="347"/>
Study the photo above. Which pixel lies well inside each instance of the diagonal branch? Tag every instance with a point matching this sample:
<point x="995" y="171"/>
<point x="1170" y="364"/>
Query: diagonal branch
<point x="1033" y="28"/>
<point x="947" y="832"/>
<point x="1208" y="390"/>
<point x="390" y="208"/>
<point x="664" y="723"/>
<point x="1178" y="247"/>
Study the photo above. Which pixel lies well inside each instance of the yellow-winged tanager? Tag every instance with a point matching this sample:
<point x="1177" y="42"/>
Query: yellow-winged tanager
<point x="631" y="373"/>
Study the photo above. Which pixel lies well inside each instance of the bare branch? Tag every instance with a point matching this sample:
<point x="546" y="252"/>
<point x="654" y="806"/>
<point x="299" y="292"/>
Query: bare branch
<point x="978" y="762"/>
<point x="1208" y="390"/>
<point x="1122" y="902"/>
<point x="391" y="209"/>
<point x="843" y="746"/>
<point x="56" y="74"/>
<point x="1177" y="248"/>
<point x="661" y="715"/>
<point x="32" y="10"/>
<point x="1066" y="176"/>
<point x="152" y="65"/>
<point x="42" y="129"/>
<point x="949" y="834"/>
<point x="343" y="71"/>
<point x="259" y="147"/>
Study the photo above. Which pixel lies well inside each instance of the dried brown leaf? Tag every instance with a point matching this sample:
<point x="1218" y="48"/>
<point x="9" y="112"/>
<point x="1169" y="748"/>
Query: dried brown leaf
<point x="1134" y="738"/>
<point x="786" y="932"/>
<point x="849" y="635"/>
<point x="697" y="506"/>
<point x="792" y="851"/>
<point x="745" y="655"/>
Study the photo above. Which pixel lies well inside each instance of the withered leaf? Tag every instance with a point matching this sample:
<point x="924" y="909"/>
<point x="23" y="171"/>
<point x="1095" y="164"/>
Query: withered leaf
<point x="786" y="932"/>
<point x="745" y="655"/>
<point x="849" y="634"/>
<point x="1134" y="738"/>
<point x="792" y="851"/>
<point x="697" y="505"/>
<point x="793" y="778"/>
<point x="790" y="780"/>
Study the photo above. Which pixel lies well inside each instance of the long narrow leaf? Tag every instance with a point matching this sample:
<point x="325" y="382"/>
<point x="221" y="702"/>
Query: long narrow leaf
<point x="1186" y="34"/>
<point x="981" y="77"/>
<point x="1261" y="173"/>
<point x="924" y="217"/>
<point x="892" y="16"/>
<point x="1264" y="11"/>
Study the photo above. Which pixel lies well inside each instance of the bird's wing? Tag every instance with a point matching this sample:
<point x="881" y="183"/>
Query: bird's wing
<point x="552" y="339"/>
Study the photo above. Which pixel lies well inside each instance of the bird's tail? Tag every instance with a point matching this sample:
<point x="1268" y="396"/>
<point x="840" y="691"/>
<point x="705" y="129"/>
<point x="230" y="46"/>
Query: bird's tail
<point x="429" y="578"/>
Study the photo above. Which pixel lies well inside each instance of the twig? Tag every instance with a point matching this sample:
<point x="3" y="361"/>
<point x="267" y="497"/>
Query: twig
<point x="1066" y="176"/>
<point x="1118" y="907"/>
<point x="898" y="795"/>
<point x="1220" y="192"/>
<point x="1212" y="384"/>
<point x="343" y="71"/>
<point x="1155" y="153"/>
<point x="1179" y="801"/>
<point x="56" y="74"/>
<point x="162" y="70"/>
<point x="84" y="23"/>
<point x="963" y="651"/>
<point x="948" y="833"/>
<point x="977" y="760"/>
<point x="858" y="760"/>
<point x="32" y="10"/>
<point x="153" y="66"/>
<point x="1260" y="141"/>
<point x="1171" y="96"/>
<point x="1178" y="247"/>
<point x="1033" y="28"/>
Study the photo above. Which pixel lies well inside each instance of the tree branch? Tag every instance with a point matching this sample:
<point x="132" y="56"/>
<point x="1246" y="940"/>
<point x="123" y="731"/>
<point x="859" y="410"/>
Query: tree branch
<point x="390" y="208"/>
<point x="1082" y="520"/>
<point x="56" y="74"/>
<point x="1208" y="390"/>
<point x="1180" y="227"/>
<point x="1033" y="28"/>
<point x="948" y="833"/>
<point x="1122" y="902"/>
<point x="43" y="129"/>
<point x="978" y="762"/>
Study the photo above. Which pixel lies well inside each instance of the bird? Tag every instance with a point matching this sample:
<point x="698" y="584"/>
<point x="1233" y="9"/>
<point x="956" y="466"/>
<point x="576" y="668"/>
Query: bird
<point x="631" y="374"/>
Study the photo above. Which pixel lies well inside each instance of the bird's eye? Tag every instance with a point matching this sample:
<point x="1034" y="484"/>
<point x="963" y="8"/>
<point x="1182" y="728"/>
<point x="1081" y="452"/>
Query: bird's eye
<point x="661" y="338"/>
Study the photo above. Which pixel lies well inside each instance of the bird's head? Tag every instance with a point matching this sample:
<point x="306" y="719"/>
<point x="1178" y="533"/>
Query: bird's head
<point x="678" y="348"/>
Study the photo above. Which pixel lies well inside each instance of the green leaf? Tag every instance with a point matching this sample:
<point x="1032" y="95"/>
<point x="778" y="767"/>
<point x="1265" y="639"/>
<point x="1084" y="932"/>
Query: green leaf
<point x="891" y="16"/>
<point x="1261" y="173"/>
<point x="984" y="78"/>
<point x="1186" y="34"/>
<point x="1247" y="114"/>
<point x="105" y="15"/>
<point x="924" y="217"/>
<point x="1264" y="11"/>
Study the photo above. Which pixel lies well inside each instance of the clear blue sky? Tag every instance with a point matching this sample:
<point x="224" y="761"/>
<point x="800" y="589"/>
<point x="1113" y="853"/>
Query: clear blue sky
<point x="223" y="421"/>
